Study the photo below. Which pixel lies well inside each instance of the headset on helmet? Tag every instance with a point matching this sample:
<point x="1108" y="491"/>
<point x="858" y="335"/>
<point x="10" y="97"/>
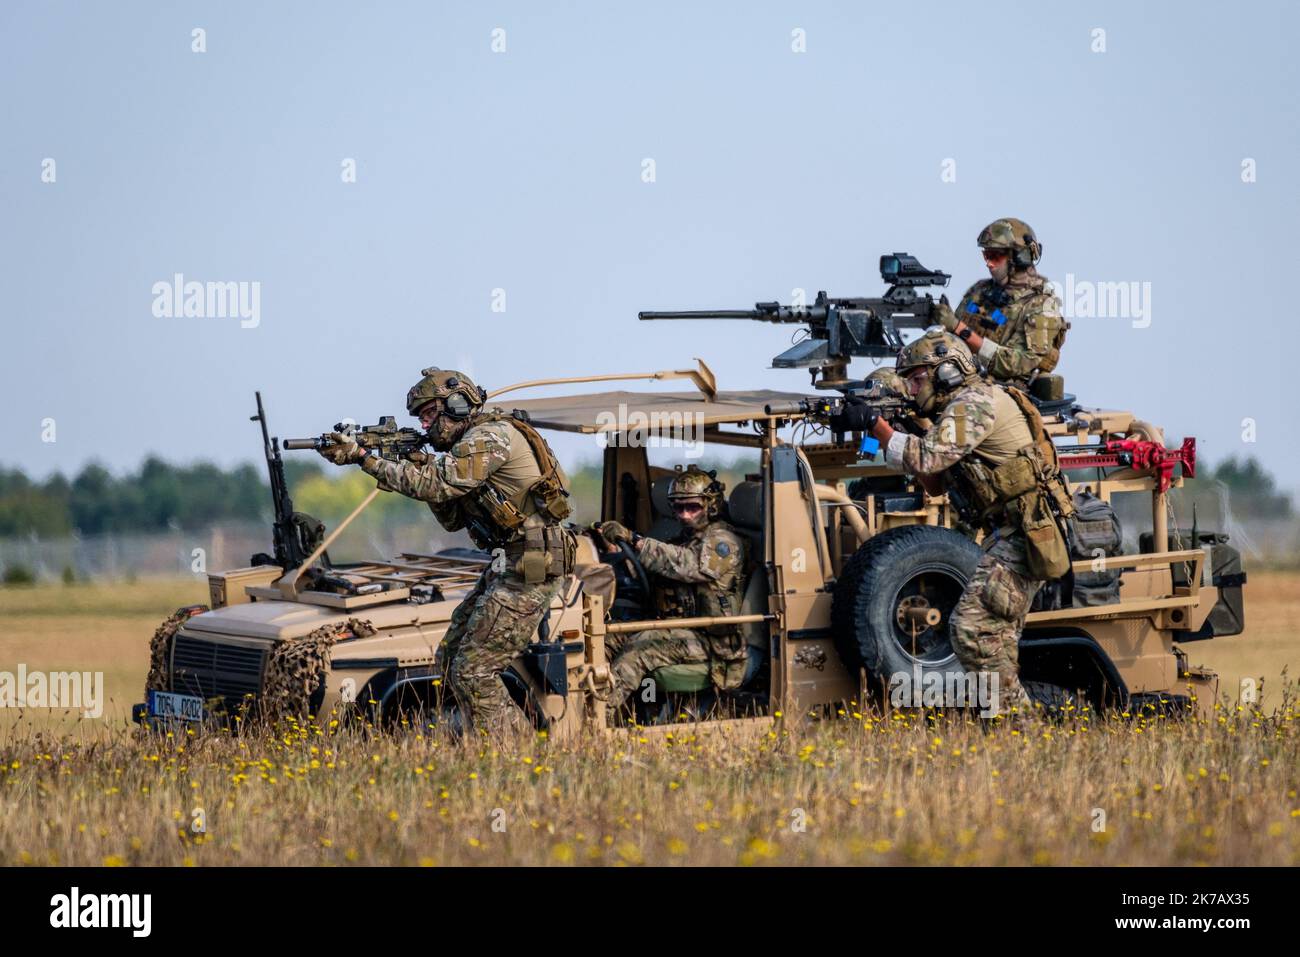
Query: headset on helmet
<point x="457" y="404"/>
<point x="1016" y="237"/>
<point x="460" y="397"/>
<point x="947" y="376"/>
<point x="950" y="358"/>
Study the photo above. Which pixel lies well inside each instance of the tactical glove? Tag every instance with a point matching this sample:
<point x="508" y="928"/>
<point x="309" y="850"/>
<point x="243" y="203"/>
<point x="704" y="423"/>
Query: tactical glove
<point x="858" y="415"/>
<point x="343" y="449"/>
<point x="944" y="315"/>
<point x="613" y="532"/>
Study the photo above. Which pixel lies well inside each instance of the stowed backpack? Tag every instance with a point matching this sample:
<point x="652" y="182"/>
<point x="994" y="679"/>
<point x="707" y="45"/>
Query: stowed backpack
<point x="1095" y="534"/>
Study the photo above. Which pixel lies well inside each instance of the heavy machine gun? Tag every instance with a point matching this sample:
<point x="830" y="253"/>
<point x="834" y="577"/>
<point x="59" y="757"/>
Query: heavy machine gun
<point x="842" y="329"/>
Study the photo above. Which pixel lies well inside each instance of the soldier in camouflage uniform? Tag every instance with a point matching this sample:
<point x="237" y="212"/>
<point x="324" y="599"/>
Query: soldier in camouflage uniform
<point x="700" y="573"/>
<point x="988" y="448"/>
<point x="499" y="480"/>
<point x="1011" y="321"/>
<point x="886" y="379"/>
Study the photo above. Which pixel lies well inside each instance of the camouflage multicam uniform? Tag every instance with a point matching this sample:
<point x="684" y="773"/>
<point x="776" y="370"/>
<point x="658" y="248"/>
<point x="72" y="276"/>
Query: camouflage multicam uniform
<point x="700" y="574"/>
<point x="499" y="480"/>
<point x="496" y="621"/>
<point x="980" y="427"/>
<point x="1021" y="324"/>
<point x="1015" y="314"/>
<point x="489" y="630"/>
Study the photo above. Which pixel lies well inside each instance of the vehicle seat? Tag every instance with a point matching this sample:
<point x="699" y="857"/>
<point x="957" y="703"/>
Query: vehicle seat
<point x="1050" y="407"/>
<point x="1048" y="393"/>
<point x="745" y="506"/>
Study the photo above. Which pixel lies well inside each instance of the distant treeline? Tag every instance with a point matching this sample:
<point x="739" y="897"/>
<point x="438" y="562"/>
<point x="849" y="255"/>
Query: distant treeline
<point x="161" y="496"/>
<point x="156" y="497"/>
<point x="1251" y="490"/>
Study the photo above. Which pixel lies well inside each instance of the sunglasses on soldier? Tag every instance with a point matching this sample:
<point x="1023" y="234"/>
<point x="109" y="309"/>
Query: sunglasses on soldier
<point x="995" y="255"/>
<point x="427" y="413"/>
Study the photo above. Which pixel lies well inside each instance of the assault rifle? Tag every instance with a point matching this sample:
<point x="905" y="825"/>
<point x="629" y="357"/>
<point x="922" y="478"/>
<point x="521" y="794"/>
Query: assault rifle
<point x="842" y="329"/>
<point x="899" y="410"/>
<point x="385" y="439"/>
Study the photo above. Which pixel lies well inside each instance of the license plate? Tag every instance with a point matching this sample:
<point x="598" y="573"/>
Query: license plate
<point x="182" y="707"/>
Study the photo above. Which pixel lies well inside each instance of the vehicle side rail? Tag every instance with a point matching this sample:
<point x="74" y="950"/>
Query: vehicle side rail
<point x="1188" y="597"/>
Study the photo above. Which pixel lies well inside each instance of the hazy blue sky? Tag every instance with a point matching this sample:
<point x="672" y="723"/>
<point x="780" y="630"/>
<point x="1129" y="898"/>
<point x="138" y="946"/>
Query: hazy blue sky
<point x="522" y="171"/>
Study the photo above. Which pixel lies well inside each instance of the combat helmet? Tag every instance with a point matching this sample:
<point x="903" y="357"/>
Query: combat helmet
<point x="949" y="360"/>
<point x="461" y="397"/>
<point x="887" y="378"/>
<point x="693" y="483"/>
<point x="1016" y="237"/>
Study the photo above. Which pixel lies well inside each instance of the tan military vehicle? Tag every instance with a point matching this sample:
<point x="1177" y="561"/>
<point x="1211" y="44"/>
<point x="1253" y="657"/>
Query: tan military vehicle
<point x="856" y="570"/>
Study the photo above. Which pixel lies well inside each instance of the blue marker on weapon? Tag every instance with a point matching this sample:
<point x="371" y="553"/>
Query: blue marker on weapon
<point x="869" y="447"/>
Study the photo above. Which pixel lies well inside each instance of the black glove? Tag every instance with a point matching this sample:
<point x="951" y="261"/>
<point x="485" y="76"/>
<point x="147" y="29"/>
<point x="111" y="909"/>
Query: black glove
<point x="858" y="415"/>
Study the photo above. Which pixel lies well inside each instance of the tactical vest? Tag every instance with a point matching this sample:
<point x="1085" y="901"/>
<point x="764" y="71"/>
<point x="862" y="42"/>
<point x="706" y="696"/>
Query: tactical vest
<point x="539" y="548"/>
<point x="1026" y="493"/>
<point x="674" y="599"/>
<point x="1002" y="318"/>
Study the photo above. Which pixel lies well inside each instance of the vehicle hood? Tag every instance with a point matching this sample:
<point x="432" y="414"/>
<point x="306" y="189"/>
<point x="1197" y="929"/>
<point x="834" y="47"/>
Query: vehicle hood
<point x="280" y="620"/>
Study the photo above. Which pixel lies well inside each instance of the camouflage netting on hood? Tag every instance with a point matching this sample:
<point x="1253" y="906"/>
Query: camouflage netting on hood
<point x="296" y="668"/>
<point x="160" y="647"/>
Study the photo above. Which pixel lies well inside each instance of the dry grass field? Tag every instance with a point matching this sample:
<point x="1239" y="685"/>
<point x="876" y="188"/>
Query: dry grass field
<point x="861" y="790"/>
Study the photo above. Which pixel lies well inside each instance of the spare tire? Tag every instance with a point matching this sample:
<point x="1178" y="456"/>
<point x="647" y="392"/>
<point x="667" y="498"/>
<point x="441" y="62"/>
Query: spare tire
<point x="883" y="613"/>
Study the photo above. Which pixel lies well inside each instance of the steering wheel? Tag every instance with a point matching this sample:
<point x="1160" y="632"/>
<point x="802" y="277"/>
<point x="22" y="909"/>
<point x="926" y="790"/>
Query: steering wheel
<point x="629" y="553"/>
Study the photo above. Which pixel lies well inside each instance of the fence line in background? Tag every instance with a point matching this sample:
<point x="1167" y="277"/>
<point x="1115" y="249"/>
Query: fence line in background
<point x="231" y="545"/>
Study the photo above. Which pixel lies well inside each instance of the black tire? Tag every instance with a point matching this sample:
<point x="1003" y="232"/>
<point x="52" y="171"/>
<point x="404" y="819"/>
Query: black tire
<point x="1054" y="698"/>
<point x="916" y="560"/>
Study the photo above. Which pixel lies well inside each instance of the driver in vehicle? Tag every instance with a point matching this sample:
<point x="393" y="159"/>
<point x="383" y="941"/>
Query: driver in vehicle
<point x="701" y="573"/>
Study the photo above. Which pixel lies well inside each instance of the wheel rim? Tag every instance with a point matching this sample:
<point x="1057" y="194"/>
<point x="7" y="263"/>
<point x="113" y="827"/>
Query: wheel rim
<point x="932" y="587"/>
